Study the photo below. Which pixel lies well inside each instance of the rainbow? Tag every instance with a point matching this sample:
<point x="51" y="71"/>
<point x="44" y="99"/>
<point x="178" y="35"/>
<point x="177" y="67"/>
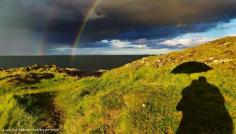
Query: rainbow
<point x="83" y="26"/>
<point x="43" y="41"/>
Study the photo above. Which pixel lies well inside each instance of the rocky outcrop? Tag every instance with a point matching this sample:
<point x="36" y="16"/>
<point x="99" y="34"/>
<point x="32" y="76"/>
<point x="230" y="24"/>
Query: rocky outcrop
<point x="74" y="72"/>
<point x="37" y="67"/>
<point x="30" y="78"/>
<point x="35" y="73"/>
<point x="71" y="71"/>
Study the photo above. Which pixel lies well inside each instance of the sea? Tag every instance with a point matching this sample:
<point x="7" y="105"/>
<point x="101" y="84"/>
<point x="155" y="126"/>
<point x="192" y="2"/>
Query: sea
<point x="84" y="62"/>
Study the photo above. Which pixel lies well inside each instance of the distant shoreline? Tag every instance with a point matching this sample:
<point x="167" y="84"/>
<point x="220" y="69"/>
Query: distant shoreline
<point x="87" y="63"/>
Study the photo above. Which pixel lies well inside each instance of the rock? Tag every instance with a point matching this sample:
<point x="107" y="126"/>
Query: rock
<point x="46" y="76"/>
<point x="226" y="43"/>
<point x="143" y="105"/>
<point x="72" y="71"/>
<point x="212" y="58"/>
<point x="99" y="72"/>
<point x="221" y="61"/>
<point x="37" y="67"/>
<point x="80" y="73"/>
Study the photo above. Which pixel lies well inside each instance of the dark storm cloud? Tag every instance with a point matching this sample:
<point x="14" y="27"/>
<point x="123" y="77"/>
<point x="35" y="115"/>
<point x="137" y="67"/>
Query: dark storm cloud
<point x="130" y="12"/>
<point x="168" y="12"/>
<point x="60" y="20"/>
<point x="167" y="17"/>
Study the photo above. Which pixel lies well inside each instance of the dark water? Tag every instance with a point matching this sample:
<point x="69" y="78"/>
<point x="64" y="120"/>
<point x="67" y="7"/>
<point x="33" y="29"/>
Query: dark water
<point x="86" y="63"/>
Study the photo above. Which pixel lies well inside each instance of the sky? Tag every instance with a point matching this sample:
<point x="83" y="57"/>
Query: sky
<point x="111" y="27"/>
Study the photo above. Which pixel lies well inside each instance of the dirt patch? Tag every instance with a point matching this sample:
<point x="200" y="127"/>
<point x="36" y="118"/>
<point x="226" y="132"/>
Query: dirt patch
<point x="43" y="107"/>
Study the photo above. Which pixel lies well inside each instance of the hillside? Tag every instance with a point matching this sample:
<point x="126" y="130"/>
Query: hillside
<point x="144" y="96"/>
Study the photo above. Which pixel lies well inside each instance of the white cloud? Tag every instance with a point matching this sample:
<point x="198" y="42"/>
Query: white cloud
<point x="124" y="44"/>
<point x="183" y="41"/>
<point x="63" y="49"/>
<point x="186" y="40"/>
<point x="119" y="43"/>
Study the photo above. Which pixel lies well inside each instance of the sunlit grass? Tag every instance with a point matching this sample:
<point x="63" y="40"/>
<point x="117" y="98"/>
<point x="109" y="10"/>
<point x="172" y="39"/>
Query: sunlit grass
<point x="140" y="97"/>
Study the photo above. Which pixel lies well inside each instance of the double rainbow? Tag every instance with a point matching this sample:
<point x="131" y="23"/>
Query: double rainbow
<point x="43" y="41"/>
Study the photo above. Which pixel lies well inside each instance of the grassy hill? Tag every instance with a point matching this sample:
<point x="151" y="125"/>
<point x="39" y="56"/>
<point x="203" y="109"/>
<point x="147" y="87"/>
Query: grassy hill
<point x="140" y="97"/>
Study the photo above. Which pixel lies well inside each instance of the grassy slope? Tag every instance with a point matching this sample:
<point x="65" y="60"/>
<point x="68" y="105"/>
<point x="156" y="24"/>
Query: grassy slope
<point x="140" y="97"/>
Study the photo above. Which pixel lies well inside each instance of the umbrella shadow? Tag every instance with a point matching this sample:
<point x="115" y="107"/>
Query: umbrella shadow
<point x="191" y="67"/>
<point x="203" y="109"/>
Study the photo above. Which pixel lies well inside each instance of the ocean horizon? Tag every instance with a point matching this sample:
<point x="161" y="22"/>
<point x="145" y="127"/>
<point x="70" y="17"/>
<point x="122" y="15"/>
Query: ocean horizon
<point x="83" y="62"/>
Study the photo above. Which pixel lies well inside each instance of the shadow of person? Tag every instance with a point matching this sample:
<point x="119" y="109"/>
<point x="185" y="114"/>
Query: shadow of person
<point x="203" y="110"/>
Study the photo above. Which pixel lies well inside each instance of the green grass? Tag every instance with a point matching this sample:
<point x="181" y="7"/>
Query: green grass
<point x="140" y="97"/>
